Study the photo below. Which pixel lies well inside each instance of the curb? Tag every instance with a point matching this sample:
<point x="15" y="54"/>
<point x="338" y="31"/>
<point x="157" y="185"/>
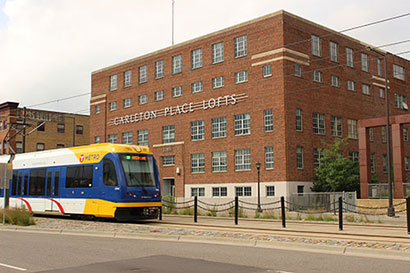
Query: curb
<point x="291" y="246"/>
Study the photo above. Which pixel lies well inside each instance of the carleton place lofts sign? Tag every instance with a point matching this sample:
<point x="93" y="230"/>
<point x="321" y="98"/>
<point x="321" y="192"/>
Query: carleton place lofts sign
<point x="185" y="108"/>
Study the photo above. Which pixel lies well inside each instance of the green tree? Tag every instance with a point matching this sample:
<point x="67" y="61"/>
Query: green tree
<point x="336" y="172"/>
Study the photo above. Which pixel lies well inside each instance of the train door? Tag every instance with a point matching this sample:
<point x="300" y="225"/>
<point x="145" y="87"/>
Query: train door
<point x="52" y="190"/>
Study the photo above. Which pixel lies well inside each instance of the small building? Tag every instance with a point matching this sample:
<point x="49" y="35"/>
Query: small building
<point x="44" y="130"/>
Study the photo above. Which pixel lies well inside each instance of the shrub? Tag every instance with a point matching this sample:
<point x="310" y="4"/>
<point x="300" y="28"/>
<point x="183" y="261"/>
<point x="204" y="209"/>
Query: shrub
<point x="269" y="215"/>
<point x="186" y="211"/>
<point x="20" y="217"/>
<point x="168" y="206"/>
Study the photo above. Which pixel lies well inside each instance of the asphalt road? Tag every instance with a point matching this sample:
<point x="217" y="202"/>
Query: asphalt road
<point x="37" y="252"/>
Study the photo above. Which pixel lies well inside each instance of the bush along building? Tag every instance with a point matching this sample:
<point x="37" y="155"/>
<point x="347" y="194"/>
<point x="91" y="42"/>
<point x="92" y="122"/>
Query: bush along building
<point x="271" y="91"/>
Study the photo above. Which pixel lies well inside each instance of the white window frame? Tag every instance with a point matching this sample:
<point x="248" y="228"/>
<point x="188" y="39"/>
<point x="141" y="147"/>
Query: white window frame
<point x="143" y="137"/>
<point x="168" y="134"/>
<point x="243" y="191"/>
<point x="350" y="85"/>
<point x="199" y="192"/>
<point x="334" y="51"/>
<point x="113" y="82"/>
<point x="299" y="157"/>
<point x="268" y="120"/>
<point x="218" y="82"/>
<point x="113" y="138"/>
<point x="269" y="158"/>
<point x="177" y="91"/>
<point x="297" y="70"/>
<point x="219" y="127"/>
<point x="219" y="191"/>
<point x="335" y="81"/>
<point x="365" y="89"/>
<point x="318" y="123"/>
<point x="241" y="77"/>
<point x="267" y="70"/>
<point x="127" y="78"/>
<point x="317" y="156"/>
<point x="365" y="62"/>
<point x="243" y="160"/>
<point x="197" y="130"/>
<point x="317" y="76"/>
<point x="316" y="46"/>
<point x="196" y="58"/>
<point x="168" y="160"/>
<point x="242" y="124"/>
<point x="299" y="120"/>
<point x="143" y="74"/>
<point x="270" y="191"/>
<point x="218" y="53"/>
<point x="159" y="95"/>
<point x="126" y="103"/>
<point x="127" y="138"/>
<point x="352" y="128"/>
<point x="241" y="46"/>
<point x="398" y="72"/>
<point x="112" y="106"/>
<point x="219" y="161"/>
<point x="197" y="87"/>
<point x="159" y="69"/>
<point x="177" y="64"/>
<point x="142" y="99"/>
<point x="336" y="125"/>
<point x="198" y="163"/>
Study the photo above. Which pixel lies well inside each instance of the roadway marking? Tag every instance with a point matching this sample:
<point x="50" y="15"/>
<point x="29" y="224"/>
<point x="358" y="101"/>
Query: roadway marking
<point x="283" y="272"/>
<point x="13" y="267"/>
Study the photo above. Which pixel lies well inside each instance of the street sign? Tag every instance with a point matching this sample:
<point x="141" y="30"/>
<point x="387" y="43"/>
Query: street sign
<point x="6" y="173"/>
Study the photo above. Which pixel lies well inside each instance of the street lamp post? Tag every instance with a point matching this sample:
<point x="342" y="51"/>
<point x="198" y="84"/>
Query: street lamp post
<point x="390" y="210"/>
<point x="258" y="167"/>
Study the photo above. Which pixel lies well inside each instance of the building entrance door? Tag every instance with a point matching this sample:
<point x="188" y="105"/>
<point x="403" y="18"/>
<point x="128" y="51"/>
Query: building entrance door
<point x="168" y="186"/>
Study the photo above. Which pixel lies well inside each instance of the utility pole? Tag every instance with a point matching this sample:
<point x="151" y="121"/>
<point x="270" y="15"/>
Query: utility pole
<point x="24" y="129"/>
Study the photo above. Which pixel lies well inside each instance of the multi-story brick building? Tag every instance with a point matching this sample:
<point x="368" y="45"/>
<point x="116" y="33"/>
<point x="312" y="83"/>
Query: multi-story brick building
<point x="272" y="90"/>
<point x="45" y="130"/>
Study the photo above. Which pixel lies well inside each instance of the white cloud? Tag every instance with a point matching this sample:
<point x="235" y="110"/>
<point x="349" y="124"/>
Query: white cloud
<point x="49" y="48"/>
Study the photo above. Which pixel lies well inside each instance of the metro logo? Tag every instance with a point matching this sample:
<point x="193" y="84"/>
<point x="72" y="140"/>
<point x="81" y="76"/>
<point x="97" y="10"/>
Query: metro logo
<point x="82" y="158"/>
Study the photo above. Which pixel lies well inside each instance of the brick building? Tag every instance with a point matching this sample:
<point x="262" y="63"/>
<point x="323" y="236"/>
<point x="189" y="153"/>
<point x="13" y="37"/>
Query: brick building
<point x="272" y="90"/>
<point x="45" y="130"/>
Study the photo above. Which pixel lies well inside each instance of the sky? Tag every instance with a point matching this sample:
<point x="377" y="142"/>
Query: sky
<point x="49" y="48"/>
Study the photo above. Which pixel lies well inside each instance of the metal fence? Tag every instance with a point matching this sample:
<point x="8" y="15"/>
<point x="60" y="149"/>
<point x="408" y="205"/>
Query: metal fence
<point x="378" y="191"/>
<point x="322" y="201"/>
<point x="406" y="189"/>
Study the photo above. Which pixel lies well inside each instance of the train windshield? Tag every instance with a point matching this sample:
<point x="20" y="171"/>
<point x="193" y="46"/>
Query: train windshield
<point x="138" y="170"/>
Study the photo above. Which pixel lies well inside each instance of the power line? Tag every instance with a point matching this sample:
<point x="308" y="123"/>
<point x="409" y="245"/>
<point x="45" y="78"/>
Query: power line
<point x="63" y="99"/>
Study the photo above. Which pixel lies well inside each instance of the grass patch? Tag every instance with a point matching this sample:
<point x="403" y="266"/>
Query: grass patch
<point x="19" y="217"/>
<point x="321" y="218"/>
<point x="168" y="206"/>
<point x="186" y="211"/>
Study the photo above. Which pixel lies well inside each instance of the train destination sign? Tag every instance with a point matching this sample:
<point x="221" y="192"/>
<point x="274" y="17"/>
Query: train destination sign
<point x="180" y="109"/>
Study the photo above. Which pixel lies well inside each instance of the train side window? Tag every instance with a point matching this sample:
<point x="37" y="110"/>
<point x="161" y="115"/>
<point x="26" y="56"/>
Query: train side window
<point x="37" y="182"/>
<point x="20" y="182"/>
<point x="26" y="184"/>
<point x="109" y="174"/>
<point x="49" y="174"/>
<point x="14" y="185"/>
<point x="56" y="182"/>
<point x="79" y="176"/>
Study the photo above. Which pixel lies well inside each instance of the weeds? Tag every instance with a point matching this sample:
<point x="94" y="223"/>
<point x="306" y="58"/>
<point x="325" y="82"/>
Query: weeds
<point x="20" y="217"/>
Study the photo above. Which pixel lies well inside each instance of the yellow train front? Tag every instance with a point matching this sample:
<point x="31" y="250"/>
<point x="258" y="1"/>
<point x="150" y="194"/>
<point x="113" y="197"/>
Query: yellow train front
<point x="102" y="180"/>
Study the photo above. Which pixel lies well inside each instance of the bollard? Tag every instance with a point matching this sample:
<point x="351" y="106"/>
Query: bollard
<point x="236" y="209"/>
<point x="196" y="209"/>
<point x="160" y="213"/>
<point x="282" y="205"/>
<point x="408" y="214"/>
<point x="340" y="213"/>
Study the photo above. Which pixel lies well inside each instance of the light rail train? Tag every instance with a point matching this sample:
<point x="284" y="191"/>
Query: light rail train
<point x="102" y="180"/>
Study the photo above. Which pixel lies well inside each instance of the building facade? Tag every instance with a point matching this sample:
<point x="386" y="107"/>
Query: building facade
<point x="44" y="130"/>
<point x="272" y="91"/>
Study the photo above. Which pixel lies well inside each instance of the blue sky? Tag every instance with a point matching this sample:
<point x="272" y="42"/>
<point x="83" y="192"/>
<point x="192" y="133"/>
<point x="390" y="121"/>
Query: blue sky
<point x="3" y="17"/>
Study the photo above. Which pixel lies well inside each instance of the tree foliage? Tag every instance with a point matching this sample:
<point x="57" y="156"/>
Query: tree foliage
<point x="336" y="172"/>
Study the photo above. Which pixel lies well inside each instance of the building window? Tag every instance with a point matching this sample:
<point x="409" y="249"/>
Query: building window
<point x="159" y="69"/>
<point x="350" y="85"/>
<point x="384" y="158"/>
<point x="317" y="156"/>
<point x="168" y="160"/>
<point x="267" y="70"/>
<point x="383" y="134"/>
<point x="127" y="138"/>
<point x="168" y="134"/>
<point x="318" y="123"/>
<point x="400" y="101"/>
<point x="398" y="72"/>
<point x="41" y="127"/>
<point x="97" y="109"/>
<point x="336" y="126"/>
<point x="60" y="128"/>
<point x="60" y="146"/>
<point x="113" y="138"/>
<point x="176" y="64"/>
<point x="79" y="129"/>
<point x="405" y="134"/>
<point x="299" y="124"/>
<point x="268" y="120"/>
<point x="242" y="159"/>
<point x="219" y="163"/>
<point x="219" y="127"/>
<point x="197" y="87"/>
<point x="143" y="99"/>
<point x="198" y="163"/>
<point x="97" y="140"/>
<point x="243" y="191"/>
<point x="381" y="93"/>
<point x="370" y="134"/>
<point x="219" y="192"/>
<point x="241" y="77"/>
<point x="407" y="163"/>
<point x="298" y="70"/>
<point x="301" y="190"/>
<point x="269" y="162"/>
<point x="40" y="147"/>
<point x="241" y="48"/>
<point x="379" y="67"/>
<point x="372" y="169"/>
<point x="177" y="91"/>
<point x="365" y="89"/>
<point x="159" y="95"/>
<point x="365" y="62"/>
<point x="335" y="81"/>
<point x="197" y="130"/>
<point x="143" y="73"/>
<point x="113" y="82"/>
<point x="196" y="58"/>
<point x="316" y="47"/>
<point x="334" y="52"/>
<point x="354" y="156"/>
<point x="143" y="137"/>
<point x="349" y="57"/>
<point x="270" y="190"/>
<point x="112" y="106"/>
<point x="317" y="76"/>
<point x="126" y="102"/>
<point x="218" y="82"/>
<point x="352" y="128"/>
<point x="1" y="125"/>
<point x="199" y="192"/>
<point x="299" y="157"/>
<point x="127" y="78"/>
<point x="218" y="52"/>
<point x="19" y="147"/>
<point x="242" y="124"/>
